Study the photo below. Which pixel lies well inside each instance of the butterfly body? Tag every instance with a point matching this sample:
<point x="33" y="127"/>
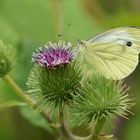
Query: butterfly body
<point x="113" y="53"/>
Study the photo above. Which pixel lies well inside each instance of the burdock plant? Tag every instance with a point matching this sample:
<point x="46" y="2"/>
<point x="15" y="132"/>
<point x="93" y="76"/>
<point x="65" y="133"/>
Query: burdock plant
<point x="57" y="82"/>
<point x="62" y="91"/>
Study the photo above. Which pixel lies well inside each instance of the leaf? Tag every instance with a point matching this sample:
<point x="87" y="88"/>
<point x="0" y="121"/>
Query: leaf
<point x="25" y="49"/>
<point x="35" y="118"/>
<point x="11" y="104"/>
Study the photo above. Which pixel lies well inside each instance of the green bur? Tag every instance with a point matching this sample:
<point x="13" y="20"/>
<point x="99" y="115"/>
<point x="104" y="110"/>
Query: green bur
<point x="53" y="88"/>
<point x="7" y="56"/>
<point x="100" y="98"/>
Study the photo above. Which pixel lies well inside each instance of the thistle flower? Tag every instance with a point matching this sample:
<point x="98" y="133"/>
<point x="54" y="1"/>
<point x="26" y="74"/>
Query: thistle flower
<point x="7" y="56"/>
<point x="53" y="55"/>
<point x="100" y="98"/>
<point x="55" y="76"/>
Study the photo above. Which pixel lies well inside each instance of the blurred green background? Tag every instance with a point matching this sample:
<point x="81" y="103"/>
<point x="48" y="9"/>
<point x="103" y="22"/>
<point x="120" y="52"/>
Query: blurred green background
<point x="27" y="24"/>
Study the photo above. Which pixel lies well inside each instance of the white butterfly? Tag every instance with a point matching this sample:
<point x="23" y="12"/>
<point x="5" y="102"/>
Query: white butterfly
<point x="114" y="53"/>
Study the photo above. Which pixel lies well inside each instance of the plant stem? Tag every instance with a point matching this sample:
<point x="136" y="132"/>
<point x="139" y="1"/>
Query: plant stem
<point x="23" y="95"/>
<point x="64" y="131"/>
<point x="31" y="102"/>
<point x="97" y="129"/>
<point x="95" y="10"/>
<point x="17" y="89"/>
<point x="57" y="9"/>
<point x="68" y="135"/>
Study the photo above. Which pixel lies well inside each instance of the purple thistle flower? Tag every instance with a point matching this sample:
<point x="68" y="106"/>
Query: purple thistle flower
<point x="54" y="54"/>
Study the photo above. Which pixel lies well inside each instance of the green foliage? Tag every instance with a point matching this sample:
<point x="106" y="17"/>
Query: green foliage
<point x="81" y="24"/>
<point x="35" y="118"/>
<point x="35" y="20"/>
<point x="52" y="88"/>
<point x="7" y="56"/>
<point x="7" y="33"/>
<point x="100" y="98"/>
<point x="11" y="104"/>
<point x="25" y="48"/>
<point x="133" y="128"/>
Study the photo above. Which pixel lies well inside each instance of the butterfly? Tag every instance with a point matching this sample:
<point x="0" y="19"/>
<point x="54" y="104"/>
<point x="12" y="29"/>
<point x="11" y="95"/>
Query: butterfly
<point x="114" y="53"/>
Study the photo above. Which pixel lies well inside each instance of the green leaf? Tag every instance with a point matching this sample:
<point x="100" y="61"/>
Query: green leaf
<point x="25" y="49"/>
<point x="35" y="118"/>
<point x="11" y="104"/>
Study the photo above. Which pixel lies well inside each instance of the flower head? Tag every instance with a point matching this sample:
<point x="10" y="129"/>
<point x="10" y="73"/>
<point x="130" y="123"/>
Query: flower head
<point x="53" y="81"/>
<point x="54" y="54"/>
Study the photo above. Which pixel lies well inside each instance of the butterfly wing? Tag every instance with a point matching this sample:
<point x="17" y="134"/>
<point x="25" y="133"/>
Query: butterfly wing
<point x="114" y="53"/>
<point x="120" y="35"/>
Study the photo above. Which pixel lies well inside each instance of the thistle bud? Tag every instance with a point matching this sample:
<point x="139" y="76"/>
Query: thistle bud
<point x="7" y="56"/>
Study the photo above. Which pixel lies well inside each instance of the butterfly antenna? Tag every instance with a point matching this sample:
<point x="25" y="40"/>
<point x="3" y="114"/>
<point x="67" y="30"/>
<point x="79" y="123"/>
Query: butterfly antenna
<point x="78" y="41"/>
<point x="63" y="35"/>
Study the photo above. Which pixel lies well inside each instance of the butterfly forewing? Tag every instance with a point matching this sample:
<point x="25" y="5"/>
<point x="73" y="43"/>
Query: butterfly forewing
<point x="114" y="53"/>
<point x="120" y="35"/>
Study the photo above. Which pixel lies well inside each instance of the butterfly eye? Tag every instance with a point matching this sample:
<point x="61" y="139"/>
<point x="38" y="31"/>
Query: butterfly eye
<point x="128" y="43"/>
